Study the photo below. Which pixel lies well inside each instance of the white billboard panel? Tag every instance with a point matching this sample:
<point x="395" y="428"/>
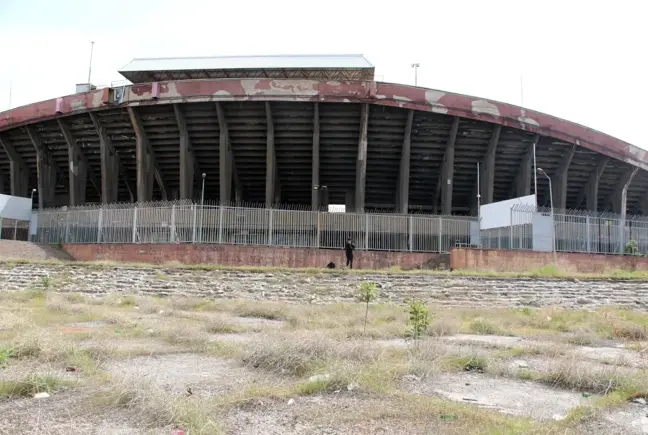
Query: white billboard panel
<point x="15" y="207"/>
<point x="498" y="214"/>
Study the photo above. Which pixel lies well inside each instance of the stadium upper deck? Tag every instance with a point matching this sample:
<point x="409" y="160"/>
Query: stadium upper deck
<point x="284" y="129"/>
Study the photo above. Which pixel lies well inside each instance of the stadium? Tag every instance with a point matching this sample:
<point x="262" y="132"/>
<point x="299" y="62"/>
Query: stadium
<point x="306" y="131"/>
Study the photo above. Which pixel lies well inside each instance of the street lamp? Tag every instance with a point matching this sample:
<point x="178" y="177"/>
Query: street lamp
<point x="553" y="232"/>
<point x="416" y="66"/>
<point x="202" y="202"/>
<point x="32" y="197"/>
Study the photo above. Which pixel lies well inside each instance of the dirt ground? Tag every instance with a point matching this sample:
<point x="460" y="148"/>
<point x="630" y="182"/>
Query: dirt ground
<point x="149" y="365"/>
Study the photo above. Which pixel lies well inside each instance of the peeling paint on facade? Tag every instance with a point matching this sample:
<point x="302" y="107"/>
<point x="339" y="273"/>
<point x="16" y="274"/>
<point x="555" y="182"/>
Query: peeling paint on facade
<point x="483" y="106"/>
<point x="388" y="94"/>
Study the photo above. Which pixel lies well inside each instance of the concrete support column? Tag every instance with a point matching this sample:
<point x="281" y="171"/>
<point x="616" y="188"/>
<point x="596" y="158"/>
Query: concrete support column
<point x="225" y="158"/>
<point x="523" y="181"/>
<point x="560" y="180"/>
<point x="109" y="164"/>
<point x="593" y="185"/>
<point x="619" y="197"/>
<point x="47" y="169"/>
<point x="404" y="173"/>
<point x="77" y="167"/>
<point x="18" y="173"/>
<point x="144" y="157"/>
<point x="447" y="170"/>
<point x="273" y="187"/>
<point x="187" y="162"/>
<point x="361" y="162"/>
<point x="315" y="167"/>
<point x="487" y="173"/>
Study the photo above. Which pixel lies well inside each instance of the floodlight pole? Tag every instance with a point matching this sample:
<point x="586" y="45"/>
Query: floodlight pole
<point x="553" y="231"/>
<point x="416" y="66"/>
<point x="90" y="65"/>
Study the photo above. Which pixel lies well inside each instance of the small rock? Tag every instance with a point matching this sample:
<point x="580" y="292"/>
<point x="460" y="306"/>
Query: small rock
<point x="523" y="364"/>
<point x="291" y="401"/>
<point x="558" y="417"/>
<point x="639" y="400"/>
<point x="319" y="378"/>
<point x="161" y="312"/>
<point x="352" y="386"/>
<point x="41" y="396"/>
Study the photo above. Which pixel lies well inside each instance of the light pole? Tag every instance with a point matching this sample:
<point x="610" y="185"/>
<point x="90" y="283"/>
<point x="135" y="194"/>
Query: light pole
<point x="32" y="197"/>
<point x="553" y="231"/>
<point x="202" y="203"/>
<point x="90" y="63"/>
<point x="416" y="66"/>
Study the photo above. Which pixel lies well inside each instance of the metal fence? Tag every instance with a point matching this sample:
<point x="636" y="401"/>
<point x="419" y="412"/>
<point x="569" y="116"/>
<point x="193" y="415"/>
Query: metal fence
<point x="574" y="231"/>
<point x="12" y="229"/>
<point x="183" y="222"/>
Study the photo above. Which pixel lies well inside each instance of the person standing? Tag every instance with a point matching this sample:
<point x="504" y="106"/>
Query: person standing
<point x="348" y="250"/>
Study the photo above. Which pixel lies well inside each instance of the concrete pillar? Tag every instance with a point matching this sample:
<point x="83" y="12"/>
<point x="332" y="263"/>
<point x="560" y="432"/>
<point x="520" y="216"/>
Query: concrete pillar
<point x="144" y="158"/>
<point x="361" y="162"/>
<point x="523" y="181"/>
<point x="593" y="185"/>
<point x="487" y="172"/>
<point x="2" y="183"/>
<point x="447" y="170"/>
<point x="560" y="179"/>
<point x="315" y="167"/>
<point x="225" y="158"/>
<point x="46" y="168"/>
<point x="404" y="173"/>
<point x="77" y="167"/>
<point x="273" y="187"/>
<point x="187" y="162"/>
<point x="18" y="172"/>
<point x="109" y="164"/>
<point x="619" y="197"/>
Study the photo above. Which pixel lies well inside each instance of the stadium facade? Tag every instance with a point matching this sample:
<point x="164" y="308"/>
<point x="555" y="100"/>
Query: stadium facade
<point x="308" y="131"/>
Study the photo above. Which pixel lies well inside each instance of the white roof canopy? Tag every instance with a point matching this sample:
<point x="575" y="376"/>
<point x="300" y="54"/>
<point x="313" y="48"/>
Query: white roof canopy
<point x="347" y="66"/>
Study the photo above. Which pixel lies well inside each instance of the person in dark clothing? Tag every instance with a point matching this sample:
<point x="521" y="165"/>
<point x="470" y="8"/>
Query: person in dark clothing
<point x="348" y="250"/>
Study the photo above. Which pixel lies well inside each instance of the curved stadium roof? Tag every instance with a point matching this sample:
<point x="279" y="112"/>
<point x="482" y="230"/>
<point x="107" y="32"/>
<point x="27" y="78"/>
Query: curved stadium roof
<point x="301" y="123"/>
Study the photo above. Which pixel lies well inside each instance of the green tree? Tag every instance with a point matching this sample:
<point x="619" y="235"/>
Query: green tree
<point x="367" y="293"/>
<point x="418" y="320"/>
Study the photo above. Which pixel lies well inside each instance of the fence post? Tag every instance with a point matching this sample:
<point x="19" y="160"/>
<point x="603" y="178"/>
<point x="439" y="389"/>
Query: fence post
<point x="318" y="216"/>
<point x="134" y="237"/>
<point x="220" y="224"/>
<point x="67" y="226"/>
<point x="269" y="227"/>
<point x="173" y="224"/>
<point x="511" y="230"/>
<point x="15" y="229"/>
<point x="366" y="231"/>
<point x="410" y="238"/>
<point x="0" y="228"/>
<point x="193" y="225"/>
<point x="100" y="225"/>
<point x="622" y="236"/>
<point x="588" y="235"/>
<point x="441" y="234"/>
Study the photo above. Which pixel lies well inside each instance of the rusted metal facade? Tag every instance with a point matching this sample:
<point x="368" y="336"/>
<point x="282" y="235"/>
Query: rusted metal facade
<point x="420" y="147"/>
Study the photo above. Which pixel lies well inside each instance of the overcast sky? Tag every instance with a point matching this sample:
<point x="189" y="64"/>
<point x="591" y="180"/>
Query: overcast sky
<point x="584" y="61"/>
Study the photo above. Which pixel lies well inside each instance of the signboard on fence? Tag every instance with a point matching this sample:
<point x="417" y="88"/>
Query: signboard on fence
<point x="15" y="207"/>
<point x="498" y="214"/>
